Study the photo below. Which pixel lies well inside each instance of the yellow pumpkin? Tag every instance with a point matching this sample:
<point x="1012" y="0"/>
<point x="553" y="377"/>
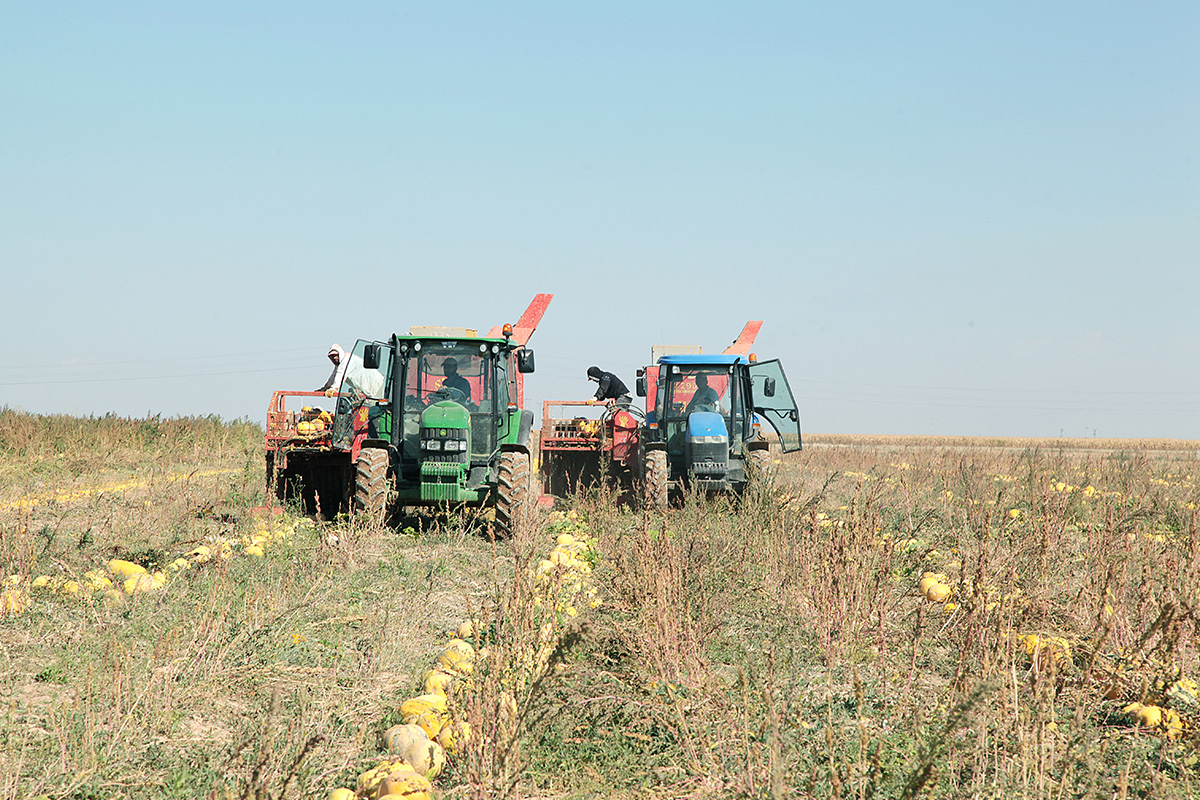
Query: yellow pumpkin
<point x="423" y="703"/>
<point x="461" y="646"/>
<point x="427" y="757"/>
<point x="437" y="682"/>
<point x="13" y="601"/>
<point x="48" y="582"/>
<point x="343" y="794"/>
<point x="452" y="737"/>
<point x="125" y="569"/>
<point x="97" y="579"/>
<point x="1149" y="716"/>
<point x="405" y="782"/>
<point x="368" y="782"/>
<point x="398" y="737"/>
<point x="455" y="662"/>
<point x="144" y="583"/>
<point x="939" y="592"/>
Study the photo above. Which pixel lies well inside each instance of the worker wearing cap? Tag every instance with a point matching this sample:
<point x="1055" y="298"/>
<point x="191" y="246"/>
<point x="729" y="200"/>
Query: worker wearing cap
<point x="453" y="380"/>
<point x="705" y="397"/>
<point x="339" y="359"/>
<point x="611" y="390"/>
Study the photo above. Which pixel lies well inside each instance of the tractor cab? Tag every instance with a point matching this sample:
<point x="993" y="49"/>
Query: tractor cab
<point x="442" y="406"/>
<point x="704" y="413"/>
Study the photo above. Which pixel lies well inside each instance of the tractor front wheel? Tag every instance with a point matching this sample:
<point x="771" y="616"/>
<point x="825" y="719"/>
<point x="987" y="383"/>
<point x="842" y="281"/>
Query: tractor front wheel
<point x="371" y="485"/>
<point x="759" y="462"/>
<point x="512" y="491"/>
<point x="654" y="480"/>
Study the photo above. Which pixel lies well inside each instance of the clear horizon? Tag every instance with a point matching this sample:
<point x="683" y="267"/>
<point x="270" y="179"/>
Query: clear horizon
<point x="954" y="221"/>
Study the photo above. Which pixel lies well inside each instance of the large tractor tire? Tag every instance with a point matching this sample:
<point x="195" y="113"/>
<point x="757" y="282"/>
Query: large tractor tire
<point x="758" y="459"/>
<point x="513" y="491"/>
<point x="655" y="477"/>
<point x="371" y="485"/>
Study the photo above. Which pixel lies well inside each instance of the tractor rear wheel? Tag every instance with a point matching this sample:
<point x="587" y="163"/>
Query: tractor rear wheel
<point x="371" y="485"/>
<point x="512" y="491"/>
<point x="654" y="480"/>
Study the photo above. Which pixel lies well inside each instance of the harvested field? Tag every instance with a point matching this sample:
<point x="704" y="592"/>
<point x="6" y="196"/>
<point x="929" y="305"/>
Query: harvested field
<point x="792" y="644"/>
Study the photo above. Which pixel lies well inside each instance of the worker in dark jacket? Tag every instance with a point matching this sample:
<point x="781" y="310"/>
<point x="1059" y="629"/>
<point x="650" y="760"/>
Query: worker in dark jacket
<point x="611" y="390"/>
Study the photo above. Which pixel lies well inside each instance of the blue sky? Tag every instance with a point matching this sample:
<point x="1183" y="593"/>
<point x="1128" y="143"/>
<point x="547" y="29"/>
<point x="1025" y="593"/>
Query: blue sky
<point x="977" y="219"/>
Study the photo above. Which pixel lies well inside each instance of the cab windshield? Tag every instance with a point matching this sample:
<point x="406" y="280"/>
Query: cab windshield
<point x="690" y="389"/>
<point x="464" y="372"/>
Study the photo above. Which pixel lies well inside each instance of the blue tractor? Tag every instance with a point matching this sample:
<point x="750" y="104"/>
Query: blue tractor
<point x="704" y="416"/>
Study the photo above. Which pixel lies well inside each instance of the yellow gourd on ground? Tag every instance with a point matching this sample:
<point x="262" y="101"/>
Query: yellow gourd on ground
<point x="97" y="579"/>
<point x="398" y="737"/>
<point x="423" y="703"/>
<point x="404" y="781"/>
<point x="455" y="663"/>
<point x="368" y="782"/>
<point x="122" y="570"/>
<point x="13" y="601"/>
<point x="343" y="794"/>
<point x="143" y="582"/>
<point x="427" y="757"/>
<point x="938" y="592"/>
<point x="437" y="682"/>
<point x="461" y="646"/>
<point x="452" y="737"/>
<point x="428" y="711"/>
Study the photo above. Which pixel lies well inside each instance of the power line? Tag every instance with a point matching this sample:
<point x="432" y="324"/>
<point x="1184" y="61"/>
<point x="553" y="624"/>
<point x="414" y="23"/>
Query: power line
<point x="147" y="377"/>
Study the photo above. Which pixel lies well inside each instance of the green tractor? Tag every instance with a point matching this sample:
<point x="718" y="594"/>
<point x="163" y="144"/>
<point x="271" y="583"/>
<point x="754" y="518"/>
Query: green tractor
<point x="436" y="418"/>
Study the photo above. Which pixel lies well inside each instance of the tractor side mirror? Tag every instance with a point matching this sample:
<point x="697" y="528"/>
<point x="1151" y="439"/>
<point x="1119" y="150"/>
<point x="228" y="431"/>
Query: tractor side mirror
<point x="641" y="386"/>
<point x="371" y="357"/>
<point x="524" y="360"/>
<point x="769" y="387"/>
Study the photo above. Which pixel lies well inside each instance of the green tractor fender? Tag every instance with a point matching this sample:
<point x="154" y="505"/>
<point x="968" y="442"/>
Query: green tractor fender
<point x="519" y="433"/>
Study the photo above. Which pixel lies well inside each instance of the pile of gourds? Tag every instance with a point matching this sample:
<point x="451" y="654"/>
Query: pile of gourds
<point x="119" y="579"/>
<point x="430" y="729"/>
<point x="313" y="422"/>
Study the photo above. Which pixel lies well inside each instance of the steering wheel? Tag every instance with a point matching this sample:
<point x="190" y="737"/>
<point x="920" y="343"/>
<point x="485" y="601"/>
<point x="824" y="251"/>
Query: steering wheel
<point x="451" y="393"/>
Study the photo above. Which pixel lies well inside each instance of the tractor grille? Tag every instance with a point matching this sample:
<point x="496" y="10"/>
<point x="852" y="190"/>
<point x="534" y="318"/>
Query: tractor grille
<point x="710" y="459"/>
<point x="444" y="445"/>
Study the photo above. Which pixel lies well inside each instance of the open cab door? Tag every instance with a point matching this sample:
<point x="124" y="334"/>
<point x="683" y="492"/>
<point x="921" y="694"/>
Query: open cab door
<point x="774" y="402"/>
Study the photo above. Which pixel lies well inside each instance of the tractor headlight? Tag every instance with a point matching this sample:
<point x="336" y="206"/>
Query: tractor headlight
<point x="433" y="444"/>
<point x="708" y="440"/>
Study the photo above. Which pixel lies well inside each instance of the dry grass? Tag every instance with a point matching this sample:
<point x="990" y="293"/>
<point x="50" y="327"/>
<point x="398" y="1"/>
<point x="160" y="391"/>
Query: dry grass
<point x="773" y="647"/>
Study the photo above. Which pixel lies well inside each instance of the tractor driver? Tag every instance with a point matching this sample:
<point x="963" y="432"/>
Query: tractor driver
<point x="453" y="380"/>
<point x="705" y="397"/>
<point x="610" y="391"/>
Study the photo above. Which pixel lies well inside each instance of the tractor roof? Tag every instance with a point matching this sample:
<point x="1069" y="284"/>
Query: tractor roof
<point x="702" y="360"/>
